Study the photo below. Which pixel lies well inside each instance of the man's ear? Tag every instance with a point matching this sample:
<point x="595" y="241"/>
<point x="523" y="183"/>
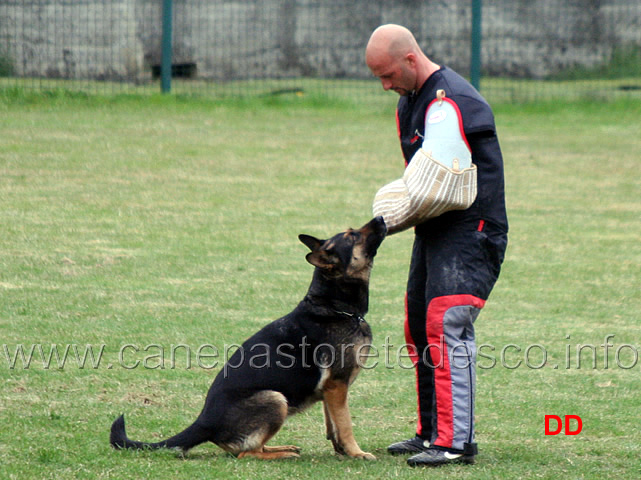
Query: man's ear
<point x="410" y="59"/>
<point x="312" y="243"/>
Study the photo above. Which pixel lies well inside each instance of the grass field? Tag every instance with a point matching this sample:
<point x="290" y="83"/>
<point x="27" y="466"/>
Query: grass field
<point x="147" y="227"/>
<point x="580" y="86"/>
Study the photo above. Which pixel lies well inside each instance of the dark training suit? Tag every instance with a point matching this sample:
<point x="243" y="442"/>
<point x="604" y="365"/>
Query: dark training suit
<point x="456" y="260"/>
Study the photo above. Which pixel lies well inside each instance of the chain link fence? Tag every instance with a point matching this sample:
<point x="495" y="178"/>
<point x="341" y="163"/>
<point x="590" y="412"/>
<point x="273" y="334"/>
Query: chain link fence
<point x="530" y="49"/>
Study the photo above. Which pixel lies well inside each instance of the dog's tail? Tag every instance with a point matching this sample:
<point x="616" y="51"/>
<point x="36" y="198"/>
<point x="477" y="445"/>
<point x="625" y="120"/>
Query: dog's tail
<point x="188" y="438"/>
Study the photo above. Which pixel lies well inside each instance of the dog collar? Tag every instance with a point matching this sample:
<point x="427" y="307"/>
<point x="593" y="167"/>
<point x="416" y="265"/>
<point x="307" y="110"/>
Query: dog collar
<point x="356" y="316"/>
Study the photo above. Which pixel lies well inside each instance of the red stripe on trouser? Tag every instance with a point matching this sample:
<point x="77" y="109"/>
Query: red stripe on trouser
<point x="436" y="311"/>
<point x="411" y="350"/>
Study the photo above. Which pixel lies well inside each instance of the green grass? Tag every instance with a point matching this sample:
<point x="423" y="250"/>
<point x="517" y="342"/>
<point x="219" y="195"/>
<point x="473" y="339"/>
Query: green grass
<point x="618" y="81"/>
<point x="154" y="222"/>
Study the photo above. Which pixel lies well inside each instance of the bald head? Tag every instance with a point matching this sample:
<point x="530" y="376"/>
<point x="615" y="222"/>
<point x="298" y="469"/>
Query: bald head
<point x="393" y="55"/>
<point x="392" y="41"/>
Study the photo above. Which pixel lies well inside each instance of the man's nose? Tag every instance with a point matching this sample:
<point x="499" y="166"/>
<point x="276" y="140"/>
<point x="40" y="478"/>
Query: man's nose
<point x="387" y="84"/>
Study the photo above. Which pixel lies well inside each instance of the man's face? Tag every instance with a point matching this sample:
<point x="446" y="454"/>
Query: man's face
<point x="395" y="75"/>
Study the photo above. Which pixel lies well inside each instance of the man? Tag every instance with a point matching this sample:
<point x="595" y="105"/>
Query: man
<point x="456" y="257"/>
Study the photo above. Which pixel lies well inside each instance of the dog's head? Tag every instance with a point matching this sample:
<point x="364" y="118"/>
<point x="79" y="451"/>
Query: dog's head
<point x="349" y="254"/>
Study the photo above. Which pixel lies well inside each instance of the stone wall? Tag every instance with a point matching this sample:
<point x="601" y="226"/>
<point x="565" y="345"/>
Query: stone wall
<point x="246" y="39"/>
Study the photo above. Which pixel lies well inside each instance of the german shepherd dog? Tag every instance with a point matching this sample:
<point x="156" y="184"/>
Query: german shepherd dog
<point x="314" y="353"/>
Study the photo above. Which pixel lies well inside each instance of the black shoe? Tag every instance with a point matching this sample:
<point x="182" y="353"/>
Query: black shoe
<point x="433" y="457"/>
<point x="414" y="445"/>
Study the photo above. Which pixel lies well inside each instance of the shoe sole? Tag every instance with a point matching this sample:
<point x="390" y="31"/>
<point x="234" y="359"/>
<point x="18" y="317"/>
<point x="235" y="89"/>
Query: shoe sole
<point x="455" y="461"/>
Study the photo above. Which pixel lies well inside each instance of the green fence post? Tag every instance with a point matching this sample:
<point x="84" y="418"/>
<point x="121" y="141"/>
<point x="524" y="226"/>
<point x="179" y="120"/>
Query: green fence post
<point x="165" y="62"/>
<point x="475" y="53"/>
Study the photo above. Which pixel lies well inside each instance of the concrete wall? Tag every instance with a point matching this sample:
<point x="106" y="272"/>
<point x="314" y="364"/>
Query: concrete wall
<point x="244" y="39"/>
<point x="71" y="39"/>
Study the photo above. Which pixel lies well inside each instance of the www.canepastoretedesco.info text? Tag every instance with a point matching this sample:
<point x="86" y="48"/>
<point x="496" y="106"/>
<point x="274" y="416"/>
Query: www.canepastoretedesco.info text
<point x="605" y="355"/>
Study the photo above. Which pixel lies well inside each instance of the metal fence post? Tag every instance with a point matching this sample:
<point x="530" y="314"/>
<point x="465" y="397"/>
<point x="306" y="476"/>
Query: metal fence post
<point x="165" y="63"/>
<point x="475" y="53"/>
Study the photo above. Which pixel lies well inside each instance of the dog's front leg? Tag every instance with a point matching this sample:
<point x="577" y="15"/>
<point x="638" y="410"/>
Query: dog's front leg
<point x="339" y="421"/>
<point x="331" y="431"/>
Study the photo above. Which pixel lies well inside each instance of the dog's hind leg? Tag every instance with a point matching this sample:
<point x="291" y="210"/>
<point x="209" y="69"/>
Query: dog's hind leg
<point x="272" y="453"/>
<point x="282" y="449"/>
<point x="339" y="421"/>
<point x="257" y="420"/>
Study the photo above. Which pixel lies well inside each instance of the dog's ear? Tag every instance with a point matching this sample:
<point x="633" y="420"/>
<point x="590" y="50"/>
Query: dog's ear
<point x="318" y="257"/>
<point x="312" y="243"/>
<point x="322" y="259"/>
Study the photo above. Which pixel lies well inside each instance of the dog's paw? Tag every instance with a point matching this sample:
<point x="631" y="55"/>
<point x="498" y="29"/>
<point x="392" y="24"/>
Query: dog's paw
<point x="364" y="456"/>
